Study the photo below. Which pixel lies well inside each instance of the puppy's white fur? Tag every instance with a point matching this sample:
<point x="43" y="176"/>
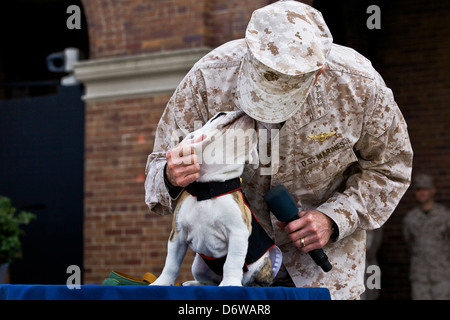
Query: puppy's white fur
<point x="216" y="227"/>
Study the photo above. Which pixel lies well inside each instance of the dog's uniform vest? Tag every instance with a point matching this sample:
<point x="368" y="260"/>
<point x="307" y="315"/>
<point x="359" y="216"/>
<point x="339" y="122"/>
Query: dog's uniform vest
<point x="258" y="242"/>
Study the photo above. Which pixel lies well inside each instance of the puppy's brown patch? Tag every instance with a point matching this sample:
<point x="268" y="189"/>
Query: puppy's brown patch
<point x="263" y="277"/>
<point x="174" y="232"/>
<point x="246" y="213"/>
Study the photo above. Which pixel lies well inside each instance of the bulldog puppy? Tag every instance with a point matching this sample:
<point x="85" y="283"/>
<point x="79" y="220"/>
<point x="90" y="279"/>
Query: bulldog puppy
<point x="212" y="216"/>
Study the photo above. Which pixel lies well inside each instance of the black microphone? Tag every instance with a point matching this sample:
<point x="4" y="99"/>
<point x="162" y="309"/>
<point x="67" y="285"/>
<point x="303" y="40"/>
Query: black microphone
<point x="285" y="209"/>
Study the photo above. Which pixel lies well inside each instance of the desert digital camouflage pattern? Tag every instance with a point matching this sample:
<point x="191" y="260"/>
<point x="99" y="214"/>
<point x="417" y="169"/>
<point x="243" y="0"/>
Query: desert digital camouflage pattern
<point x="345" y="152"/>
<point x="288" y="42"/>
<point x="289" y="37"/>
<point x="428" y="238"/>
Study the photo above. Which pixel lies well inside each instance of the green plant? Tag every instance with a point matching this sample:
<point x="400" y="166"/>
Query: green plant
<point x="10" y="230"/>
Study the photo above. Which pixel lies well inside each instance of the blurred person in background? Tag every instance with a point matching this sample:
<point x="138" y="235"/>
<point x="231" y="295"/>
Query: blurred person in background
<point x="427" y="234"/>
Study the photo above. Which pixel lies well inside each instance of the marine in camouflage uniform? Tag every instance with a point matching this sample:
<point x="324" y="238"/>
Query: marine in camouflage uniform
<point x="427" y="233"/>
<point x="340" y="146"/>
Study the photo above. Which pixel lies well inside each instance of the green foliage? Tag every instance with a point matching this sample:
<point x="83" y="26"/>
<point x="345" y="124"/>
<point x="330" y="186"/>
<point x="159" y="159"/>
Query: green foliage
<point x="10" y="246"/>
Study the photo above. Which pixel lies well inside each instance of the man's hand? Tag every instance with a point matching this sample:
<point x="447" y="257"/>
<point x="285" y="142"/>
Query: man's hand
<point x="182" y="163"/>
<point x="314" y="227"/>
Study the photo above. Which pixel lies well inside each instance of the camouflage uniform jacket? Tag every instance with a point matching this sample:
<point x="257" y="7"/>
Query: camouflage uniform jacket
<point x="428" y="237"/>
<point x="356" y="176"/>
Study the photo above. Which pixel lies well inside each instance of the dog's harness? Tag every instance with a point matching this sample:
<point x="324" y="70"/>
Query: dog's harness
<point x="258" y="242"/>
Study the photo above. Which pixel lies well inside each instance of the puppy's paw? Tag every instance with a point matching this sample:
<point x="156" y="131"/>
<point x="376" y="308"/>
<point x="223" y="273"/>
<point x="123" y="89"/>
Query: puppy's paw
<point x="231" y="283"/>
<point x="162" y="282"/>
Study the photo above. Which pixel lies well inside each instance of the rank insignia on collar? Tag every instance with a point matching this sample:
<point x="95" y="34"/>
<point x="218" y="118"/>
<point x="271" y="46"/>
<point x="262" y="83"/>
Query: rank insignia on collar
<point x="322" y="136"/>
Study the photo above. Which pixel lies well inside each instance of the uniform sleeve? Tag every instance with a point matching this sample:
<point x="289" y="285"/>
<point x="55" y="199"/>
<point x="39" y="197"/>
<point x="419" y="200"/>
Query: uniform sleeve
<point x="383" y="170"/>
<point x="183" y="112"/>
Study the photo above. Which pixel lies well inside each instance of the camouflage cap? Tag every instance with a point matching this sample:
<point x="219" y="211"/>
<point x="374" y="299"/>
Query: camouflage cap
<point x="288" y="42"/>
<point x="423" y="181"/>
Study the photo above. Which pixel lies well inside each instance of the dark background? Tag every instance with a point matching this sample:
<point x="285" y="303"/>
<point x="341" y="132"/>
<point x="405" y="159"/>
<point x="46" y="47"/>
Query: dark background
<point x="42" y="137"/>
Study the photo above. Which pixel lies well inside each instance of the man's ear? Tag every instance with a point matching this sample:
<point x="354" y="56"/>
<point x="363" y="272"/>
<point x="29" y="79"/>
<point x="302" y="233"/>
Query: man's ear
<point x="319" y="73"/>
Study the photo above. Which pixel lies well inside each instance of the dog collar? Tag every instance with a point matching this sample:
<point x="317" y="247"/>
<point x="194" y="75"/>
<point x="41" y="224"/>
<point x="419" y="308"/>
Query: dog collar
<point x="208" y="190"/>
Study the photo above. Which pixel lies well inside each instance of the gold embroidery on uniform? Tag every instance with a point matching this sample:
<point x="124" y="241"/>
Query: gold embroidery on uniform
<point x="322" y="136"/>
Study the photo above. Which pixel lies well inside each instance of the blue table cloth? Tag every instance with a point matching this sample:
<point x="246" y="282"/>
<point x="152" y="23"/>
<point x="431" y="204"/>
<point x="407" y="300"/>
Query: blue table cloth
<point x="102" y="292"/>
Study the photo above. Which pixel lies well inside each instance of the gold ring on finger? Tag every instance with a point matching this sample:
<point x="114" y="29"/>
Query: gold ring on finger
<point x="302" y="242"/>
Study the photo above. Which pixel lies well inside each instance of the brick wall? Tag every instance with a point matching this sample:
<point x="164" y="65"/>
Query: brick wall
<point x="128" y="27"/>
<point x="411" y="51"/>
<point x="120" y="232"/>
<point x="414" y="58"/>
